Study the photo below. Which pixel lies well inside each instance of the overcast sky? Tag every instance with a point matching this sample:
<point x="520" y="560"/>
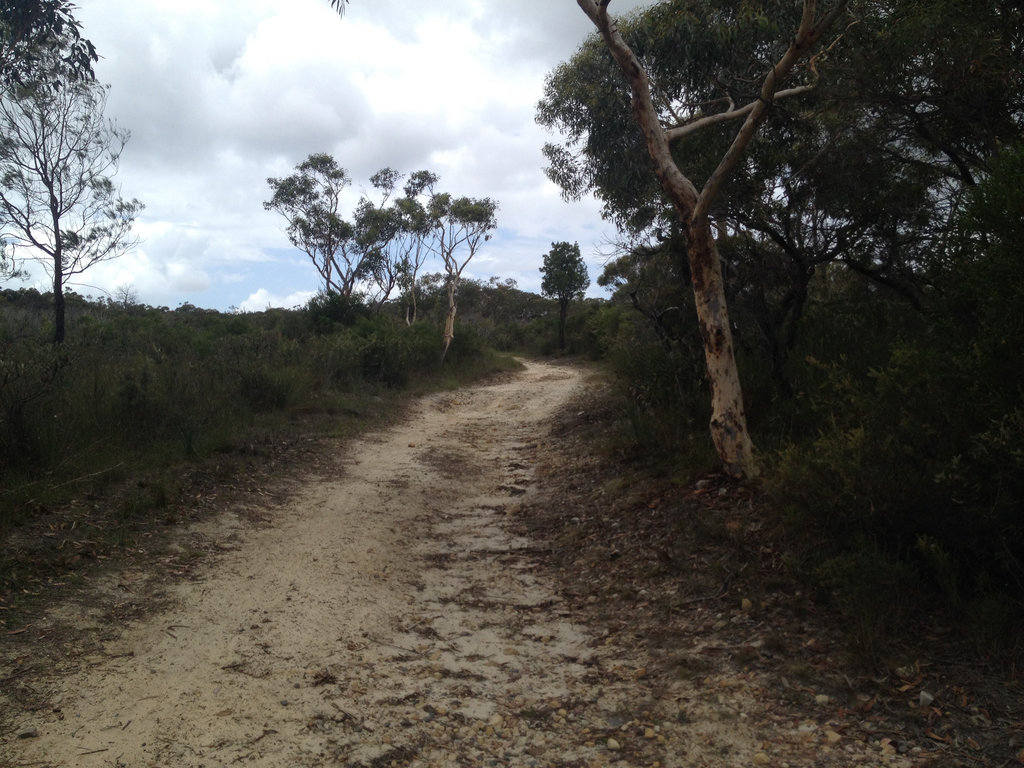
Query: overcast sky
<point x="221" y="94"/>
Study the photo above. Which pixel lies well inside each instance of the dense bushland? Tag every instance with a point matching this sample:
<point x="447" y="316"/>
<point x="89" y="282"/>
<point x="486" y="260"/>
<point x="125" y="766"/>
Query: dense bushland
<point x="870" y="245"/>
<point x="135" y="391"/>
<point x="909" y="466"/>
<point x="890" y="431"/>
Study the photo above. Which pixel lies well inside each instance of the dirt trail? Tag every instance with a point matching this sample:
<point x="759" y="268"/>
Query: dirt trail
<point x="388" y="617"/>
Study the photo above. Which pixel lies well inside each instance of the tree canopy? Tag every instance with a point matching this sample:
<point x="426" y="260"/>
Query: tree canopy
<point x="910" y="102"/>
<point x="668" y="112"/>
<point x="30" y="31"/>
<point x="565" y="279"/>
<point x="389" y="239"/>
<point x="310" y="202"/>
<point x="462" y="225"/>
<point x="58" y="202"/>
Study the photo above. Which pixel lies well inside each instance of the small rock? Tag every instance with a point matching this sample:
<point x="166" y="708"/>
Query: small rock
<point x="832" y="738"/>
<point x="925" y="699"/>
<point x="746" y="606"/>
<point x="650" y="733"/>
<point x="822" y="700"/>
<point x="614" y="745"/>
<point x="28" y="733"/>
<point x="761" y="759"/>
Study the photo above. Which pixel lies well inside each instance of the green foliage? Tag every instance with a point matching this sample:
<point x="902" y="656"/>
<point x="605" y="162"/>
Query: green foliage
<point x="565" y="279"/>
<point x="30" y="30"/>
<point x="870" y="243"/>
<point x="329" y="309"/>
<point x="855" y="580"/>
<point x="664" y="387"/>
<point x="309" y="202"/>
<point x="917" y="442"/>
<point x="565" y="273"/>
<point x="700" y="55"/>
<point x="137" y="391"/>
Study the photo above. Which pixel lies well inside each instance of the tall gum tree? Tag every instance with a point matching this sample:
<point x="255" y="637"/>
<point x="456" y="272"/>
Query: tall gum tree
<point x="728" y="419"/>
<point x="310" y="201"/>
<point x="461" y="225"/>
<point x="58" y="154"/>
<point x="378" y="228"/>
<point x="418" y="235"/>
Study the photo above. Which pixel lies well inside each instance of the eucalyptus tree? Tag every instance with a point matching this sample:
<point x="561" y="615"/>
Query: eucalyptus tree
<point x="58" y="203"/>
<point x="928" y="93"/>
<point x="874" y="170"/>
<point x="397" y="235"/>
<point x="378" y="228"/>
<point x="310" y="202"/>
<point x="867" y="170"/>
<point x="565" y="279"/>
<point x="462" y="225"/>
<point x="667" y="111"/>
<point x="418" y="234"/>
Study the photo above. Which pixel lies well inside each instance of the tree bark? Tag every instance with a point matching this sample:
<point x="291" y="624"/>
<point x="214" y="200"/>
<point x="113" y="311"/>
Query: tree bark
<point x="728" y="424"/>
<point x="58" y="305"/>
<point x="449" y="321"/>
<point x="563" y="314"/>
<point x="410" y="308"/>
<point x="728" y="417"/>
<point x="728" y="420"/>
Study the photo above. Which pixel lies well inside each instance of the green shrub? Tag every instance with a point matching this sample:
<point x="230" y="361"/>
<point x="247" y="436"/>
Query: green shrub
<point x="854" y="581"/>
<point x="913" y="440"/>
<point x="139" y="390"/>
<point x="329" y="309"/>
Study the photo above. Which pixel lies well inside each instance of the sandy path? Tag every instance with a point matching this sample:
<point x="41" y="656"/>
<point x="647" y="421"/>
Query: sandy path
<point x="387" y="618"/>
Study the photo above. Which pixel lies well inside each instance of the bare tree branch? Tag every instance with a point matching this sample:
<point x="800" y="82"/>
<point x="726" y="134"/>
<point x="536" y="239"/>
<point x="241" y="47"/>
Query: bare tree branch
<point x="700" y="123"/>
<point x="806" y="37"/>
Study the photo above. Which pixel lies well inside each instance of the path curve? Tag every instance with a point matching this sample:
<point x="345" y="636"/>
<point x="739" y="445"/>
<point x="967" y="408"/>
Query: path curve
<point x="386" y="618"/>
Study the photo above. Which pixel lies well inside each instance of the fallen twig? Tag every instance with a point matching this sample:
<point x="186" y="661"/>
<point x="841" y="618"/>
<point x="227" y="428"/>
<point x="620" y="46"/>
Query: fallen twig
<point x="266" y="732"/>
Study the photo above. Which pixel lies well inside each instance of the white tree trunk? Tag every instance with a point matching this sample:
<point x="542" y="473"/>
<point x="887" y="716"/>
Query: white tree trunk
<point x="728" y="420"/>
<point x="449" y="321"/>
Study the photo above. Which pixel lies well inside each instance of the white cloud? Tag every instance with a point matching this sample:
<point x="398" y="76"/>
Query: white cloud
<point x="264" y="299"/>
<point x="221" y="95"/>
